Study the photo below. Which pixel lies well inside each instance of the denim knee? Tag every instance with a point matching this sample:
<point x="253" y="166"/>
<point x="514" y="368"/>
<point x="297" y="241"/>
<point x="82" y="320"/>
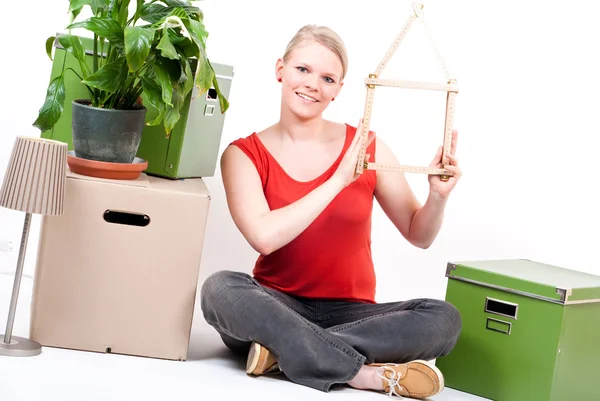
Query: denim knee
<point x="452" y="325"/>
<point x="215" y="288"/>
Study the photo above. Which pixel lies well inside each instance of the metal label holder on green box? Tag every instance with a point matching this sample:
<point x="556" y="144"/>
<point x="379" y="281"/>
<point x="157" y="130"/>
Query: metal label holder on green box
<point x="192" y="148"/>
<point x="531" y="331"/>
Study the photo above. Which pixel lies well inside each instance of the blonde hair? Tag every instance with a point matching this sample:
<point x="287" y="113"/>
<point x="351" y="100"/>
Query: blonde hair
<point x="324" y="36"/>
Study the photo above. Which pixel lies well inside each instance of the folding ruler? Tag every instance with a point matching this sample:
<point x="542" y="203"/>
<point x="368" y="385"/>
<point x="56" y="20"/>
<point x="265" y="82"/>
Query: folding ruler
<point x="373" y="81"/>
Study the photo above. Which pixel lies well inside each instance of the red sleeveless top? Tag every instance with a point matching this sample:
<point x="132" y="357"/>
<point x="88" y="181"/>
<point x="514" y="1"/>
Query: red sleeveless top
<point x="331" y="258"/>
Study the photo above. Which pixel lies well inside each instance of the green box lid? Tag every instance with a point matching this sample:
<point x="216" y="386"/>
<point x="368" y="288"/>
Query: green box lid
<point x="529" y="278"/>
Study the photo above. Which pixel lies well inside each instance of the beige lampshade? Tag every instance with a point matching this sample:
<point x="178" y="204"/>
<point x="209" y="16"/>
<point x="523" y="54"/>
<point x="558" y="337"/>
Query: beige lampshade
<point x="35" y="176"/>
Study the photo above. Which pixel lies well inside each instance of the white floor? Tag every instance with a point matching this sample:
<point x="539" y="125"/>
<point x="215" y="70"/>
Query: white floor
<point x="209" y="373"/>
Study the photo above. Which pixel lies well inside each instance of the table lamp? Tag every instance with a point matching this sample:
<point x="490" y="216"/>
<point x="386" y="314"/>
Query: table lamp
<point x="34" y="183"/>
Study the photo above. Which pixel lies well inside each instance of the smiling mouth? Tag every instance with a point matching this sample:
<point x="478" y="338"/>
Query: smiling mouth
<point x="308" y="98"/>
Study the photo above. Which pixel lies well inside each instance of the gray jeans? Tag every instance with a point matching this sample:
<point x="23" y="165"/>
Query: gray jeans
<point x="320" y="343"/>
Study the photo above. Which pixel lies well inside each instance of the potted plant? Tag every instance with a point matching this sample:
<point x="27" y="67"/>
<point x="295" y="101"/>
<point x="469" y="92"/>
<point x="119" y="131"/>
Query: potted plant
<point x="159" y="51"/>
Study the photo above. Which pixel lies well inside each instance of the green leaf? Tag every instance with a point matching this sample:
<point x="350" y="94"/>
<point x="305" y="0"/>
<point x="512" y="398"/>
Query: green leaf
<point x="155" y="13"/>
<point x="111" y="77"/>
<point x="49" y="44"/>
<point x="162" y="75"/>
<point x="204" y="73"/>
<point x="205" y="76"/>
<point x="177" y="3"/>
<point x="167" y="48"/>
<point x="73" y="45"/>
<point x="175" y="24"/>
<point x="104" y="27"/>
<point x="139" y="8"/>
<point x="223" y="102"/>
<point x="178" y="12"/>
<point x="137" y="46"/>
<point x="189" y="49"/>
<point x="152" y="91"/>
<point x="77" y="5"/>
<point x="153" y="94"/>
<point x="74" y="14"/>
<point x="177" y="39"/>
<point x="189" y="78"/>
<point x="199" y="30"/>
<point x="161" y="115"/>
<point x="53" y="105"/>
<point x="112" y="9"/>
<point x="173" y="67"/>
<point x="152" y="13"/>
<point x="190" y="9"/>
<point x="172" y="115"/>
<point x="123" y="12"/>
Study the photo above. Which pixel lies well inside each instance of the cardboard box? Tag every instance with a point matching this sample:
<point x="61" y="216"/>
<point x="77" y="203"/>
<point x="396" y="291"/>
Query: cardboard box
<point x="118" y="271"/>
<point x="530" y="331"/>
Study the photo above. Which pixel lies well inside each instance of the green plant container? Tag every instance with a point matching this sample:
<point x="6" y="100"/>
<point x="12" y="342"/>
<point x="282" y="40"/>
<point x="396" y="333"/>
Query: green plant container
<point x="531" y="331"/>
<point x="192" y="149"/>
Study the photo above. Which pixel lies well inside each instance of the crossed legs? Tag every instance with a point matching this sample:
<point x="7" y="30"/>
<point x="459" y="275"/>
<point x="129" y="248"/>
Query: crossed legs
<point x="321" y="344"/>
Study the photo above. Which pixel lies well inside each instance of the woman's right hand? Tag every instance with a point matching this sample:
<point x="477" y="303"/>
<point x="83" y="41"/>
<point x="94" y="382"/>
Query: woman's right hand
<point x="346" y="171"/>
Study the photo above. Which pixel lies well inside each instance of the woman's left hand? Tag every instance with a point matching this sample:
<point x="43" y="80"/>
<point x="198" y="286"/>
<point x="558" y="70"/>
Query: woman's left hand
<point x="436" y="185"/>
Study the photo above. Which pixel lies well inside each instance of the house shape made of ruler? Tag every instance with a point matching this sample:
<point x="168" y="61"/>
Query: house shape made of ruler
<point x="373" y="81"/>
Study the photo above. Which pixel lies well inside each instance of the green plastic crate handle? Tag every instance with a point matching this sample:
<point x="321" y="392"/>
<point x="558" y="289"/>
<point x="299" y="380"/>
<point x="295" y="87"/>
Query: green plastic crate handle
<point x="498" y="326"/>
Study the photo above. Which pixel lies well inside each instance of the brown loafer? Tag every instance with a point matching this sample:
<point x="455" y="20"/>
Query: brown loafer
<point x="260" y="361"/>
<point x="415" y="379"/>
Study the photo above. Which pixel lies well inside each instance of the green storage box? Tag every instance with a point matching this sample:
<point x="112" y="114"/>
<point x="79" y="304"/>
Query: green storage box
<point x="531" y="331"/>
<point x="192" y="149"/>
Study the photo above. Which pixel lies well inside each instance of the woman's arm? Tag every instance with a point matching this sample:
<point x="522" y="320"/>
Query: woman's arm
<point x="420" y="225"/>
<point x="268" y="230"/>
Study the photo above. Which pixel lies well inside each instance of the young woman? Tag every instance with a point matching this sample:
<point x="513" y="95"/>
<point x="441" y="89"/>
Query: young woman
<point x="309" y="309"/>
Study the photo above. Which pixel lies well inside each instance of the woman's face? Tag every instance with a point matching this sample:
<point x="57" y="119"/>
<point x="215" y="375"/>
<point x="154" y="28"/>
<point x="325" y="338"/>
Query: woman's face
<point x="310" y="79"/>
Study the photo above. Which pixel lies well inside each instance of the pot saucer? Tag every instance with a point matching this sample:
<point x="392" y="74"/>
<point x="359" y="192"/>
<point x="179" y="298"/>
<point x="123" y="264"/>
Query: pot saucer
<point x="115" y="171"/>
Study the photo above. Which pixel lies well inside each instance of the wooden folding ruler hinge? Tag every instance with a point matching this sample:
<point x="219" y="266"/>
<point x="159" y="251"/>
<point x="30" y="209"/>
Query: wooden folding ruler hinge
<point x="373" y="81"/>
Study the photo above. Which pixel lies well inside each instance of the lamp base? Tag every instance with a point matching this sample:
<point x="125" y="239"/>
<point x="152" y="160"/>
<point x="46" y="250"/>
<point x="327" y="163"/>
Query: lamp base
<point x="19" y="346"/>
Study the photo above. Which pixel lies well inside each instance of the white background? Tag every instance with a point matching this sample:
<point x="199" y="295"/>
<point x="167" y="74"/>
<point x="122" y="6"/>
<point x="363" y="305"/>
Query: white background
<point x="529" y="138"/>
<point x="526" y="115"/>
